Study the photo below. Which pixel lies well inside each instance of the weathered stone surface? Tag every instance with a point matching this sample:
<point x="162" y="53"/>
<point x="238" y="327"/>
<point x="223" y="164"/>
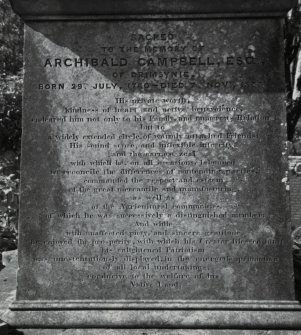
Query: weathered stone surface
<point x="159" y="166"/>
<point x="154" y="332"/>
<point x="159" y="188"/>
<point x="226" y="317"/>
<point x="182" y="332"/>
<point x="92" y="7"/>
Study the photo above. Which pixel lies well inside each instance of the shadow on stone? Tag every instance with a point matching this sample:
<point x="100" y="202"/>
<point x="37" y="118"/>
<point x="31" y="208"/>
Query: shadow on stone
<point x="297" y="272"/>
<point x="13" y="331"/>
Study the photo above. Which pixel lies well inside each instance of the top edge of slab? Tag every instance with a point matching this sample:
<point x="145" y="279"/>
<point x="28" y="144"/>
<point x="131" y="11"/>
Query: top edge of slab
<point x="80" y="8"/>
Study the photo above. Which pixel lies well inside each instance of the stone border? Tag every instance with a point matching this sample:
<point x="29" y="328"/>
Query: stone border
<point x="78" y="8"/>
<point x="146" y="319"/>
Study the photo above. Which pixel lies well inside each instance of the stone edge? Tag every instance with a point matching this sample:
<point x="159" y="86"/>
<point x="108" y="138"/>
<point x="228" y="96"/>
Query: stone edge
<point x="132" y="9"/>
<point x="155" y="305"/>
<point x="184" y="319"/>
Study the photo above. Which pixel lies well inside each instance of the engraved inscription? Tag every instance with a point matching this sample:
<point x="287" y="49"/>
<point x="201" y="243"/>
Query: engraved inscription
<point x="165" y="181"/>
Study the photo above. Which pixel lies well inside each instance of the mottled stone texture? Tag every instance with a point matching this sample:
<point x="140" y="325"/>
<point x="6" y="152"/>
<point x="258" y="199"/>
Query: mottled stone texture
<point x="153" y="162"/>
<point x="106" y="7"/>
<point x="154" y="332"/>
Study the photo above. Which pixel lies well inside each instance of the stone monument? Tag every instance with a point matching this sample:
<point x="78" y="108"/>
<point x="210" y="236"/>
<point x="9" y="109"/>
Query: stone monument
<point x="154" y="167"/>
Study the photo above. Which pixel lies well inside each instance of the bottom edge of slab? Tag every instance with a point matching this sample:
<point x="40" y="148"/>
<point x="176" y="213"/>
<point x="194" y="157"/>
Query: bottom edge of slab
<point x="161" y="319"/>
